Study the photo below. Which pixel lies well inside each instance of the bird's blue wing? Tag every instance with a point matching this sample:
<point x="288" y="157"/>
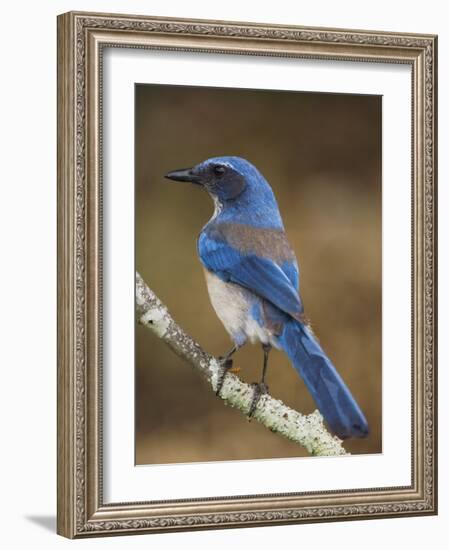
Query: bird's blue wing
<point x="261" y="275"/>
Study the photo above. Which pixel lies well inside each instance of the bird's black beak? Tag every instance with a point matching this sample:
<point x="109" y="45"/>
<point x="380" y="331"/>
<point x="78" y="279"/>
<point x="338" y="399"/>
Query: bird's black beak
<point x="184" y="174"/>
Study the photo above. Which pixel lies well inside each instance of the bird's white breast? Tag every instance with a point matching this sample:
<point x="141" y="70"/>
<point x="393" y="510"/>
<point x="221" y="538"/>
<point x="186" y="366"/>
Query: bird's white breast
<point x="232" y="304"/>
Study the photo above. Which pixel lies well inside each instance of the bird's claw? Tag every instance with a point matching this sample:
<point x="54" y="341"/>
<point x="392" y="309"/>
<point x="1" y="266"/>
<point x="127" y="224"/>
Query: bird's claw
<point x="260" y="388"/>
<point x="226" y="366"/>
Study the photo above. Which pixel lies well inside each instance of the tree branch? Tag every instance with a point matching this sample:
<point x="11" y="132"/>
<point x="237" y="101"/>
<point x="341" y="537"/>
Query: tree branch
<point x="306" y="430"/>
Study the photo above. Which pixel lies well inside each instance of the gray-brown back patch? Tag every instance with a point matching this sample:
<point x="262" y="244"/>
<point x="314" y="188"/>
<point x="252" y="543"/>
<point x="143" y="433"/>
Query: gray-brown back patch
<point x="265" y="242"/>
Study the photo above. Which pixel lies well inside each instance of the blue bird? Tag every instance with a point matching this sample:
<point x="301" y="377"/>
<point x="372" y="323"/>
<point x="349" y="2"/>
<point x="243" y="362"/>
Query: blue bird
<point x="253" y="282"/>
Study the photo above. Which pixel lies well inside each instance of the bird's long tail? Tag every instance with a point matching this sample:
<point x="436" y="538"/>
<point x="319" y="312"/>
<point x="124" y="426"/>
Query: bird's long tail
<point x="333" y="398"/>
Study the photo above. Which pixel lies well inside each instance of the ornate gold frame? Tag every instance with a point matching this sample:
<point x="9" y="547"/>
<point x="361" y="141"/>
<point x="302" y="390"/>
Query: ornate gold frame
<point x="81" y="39"/>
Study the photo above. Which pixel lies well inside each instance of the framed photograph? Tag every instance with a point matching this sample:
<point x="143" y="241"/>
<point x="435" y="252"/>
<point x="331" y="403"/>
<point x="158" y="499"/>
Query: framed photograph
<point x="246" y="274"/>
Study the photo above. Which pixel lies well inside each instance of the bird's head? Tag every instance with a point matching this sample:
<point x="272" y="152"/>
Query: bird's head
<point x="238" y="189"/>
<point x="225" y="178"/>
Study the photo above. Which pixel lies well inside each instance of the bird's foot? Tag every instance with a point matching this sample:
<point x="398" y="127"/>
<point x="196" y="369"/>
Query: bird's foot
<point x="260" y="388"/>
<point x="226" y="366"/>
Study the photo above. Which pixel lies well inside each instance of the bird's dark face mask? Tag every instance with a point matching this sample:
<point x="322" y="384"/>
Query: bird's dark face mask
<point x="220" y="180"/>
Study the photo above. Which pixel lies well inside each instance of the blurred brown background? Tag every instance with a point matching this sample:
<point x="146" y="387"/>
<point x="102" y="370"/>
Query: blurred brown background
<point x="321" y="154"/>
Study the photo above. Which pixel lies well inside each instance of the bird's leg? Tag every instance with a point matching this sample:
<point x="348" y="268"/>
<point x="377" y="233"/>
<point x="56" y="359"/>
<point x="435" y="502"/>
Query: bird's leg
<point x="226" y="365"/>
<point x="260" y="388"/>
<point x="266" y="350"/>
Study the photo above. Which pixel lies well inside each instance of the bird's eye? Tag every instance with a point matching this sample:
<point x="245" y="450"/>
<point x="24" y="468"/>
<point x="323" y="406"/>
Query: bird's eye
<point x="219" y="170"/>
